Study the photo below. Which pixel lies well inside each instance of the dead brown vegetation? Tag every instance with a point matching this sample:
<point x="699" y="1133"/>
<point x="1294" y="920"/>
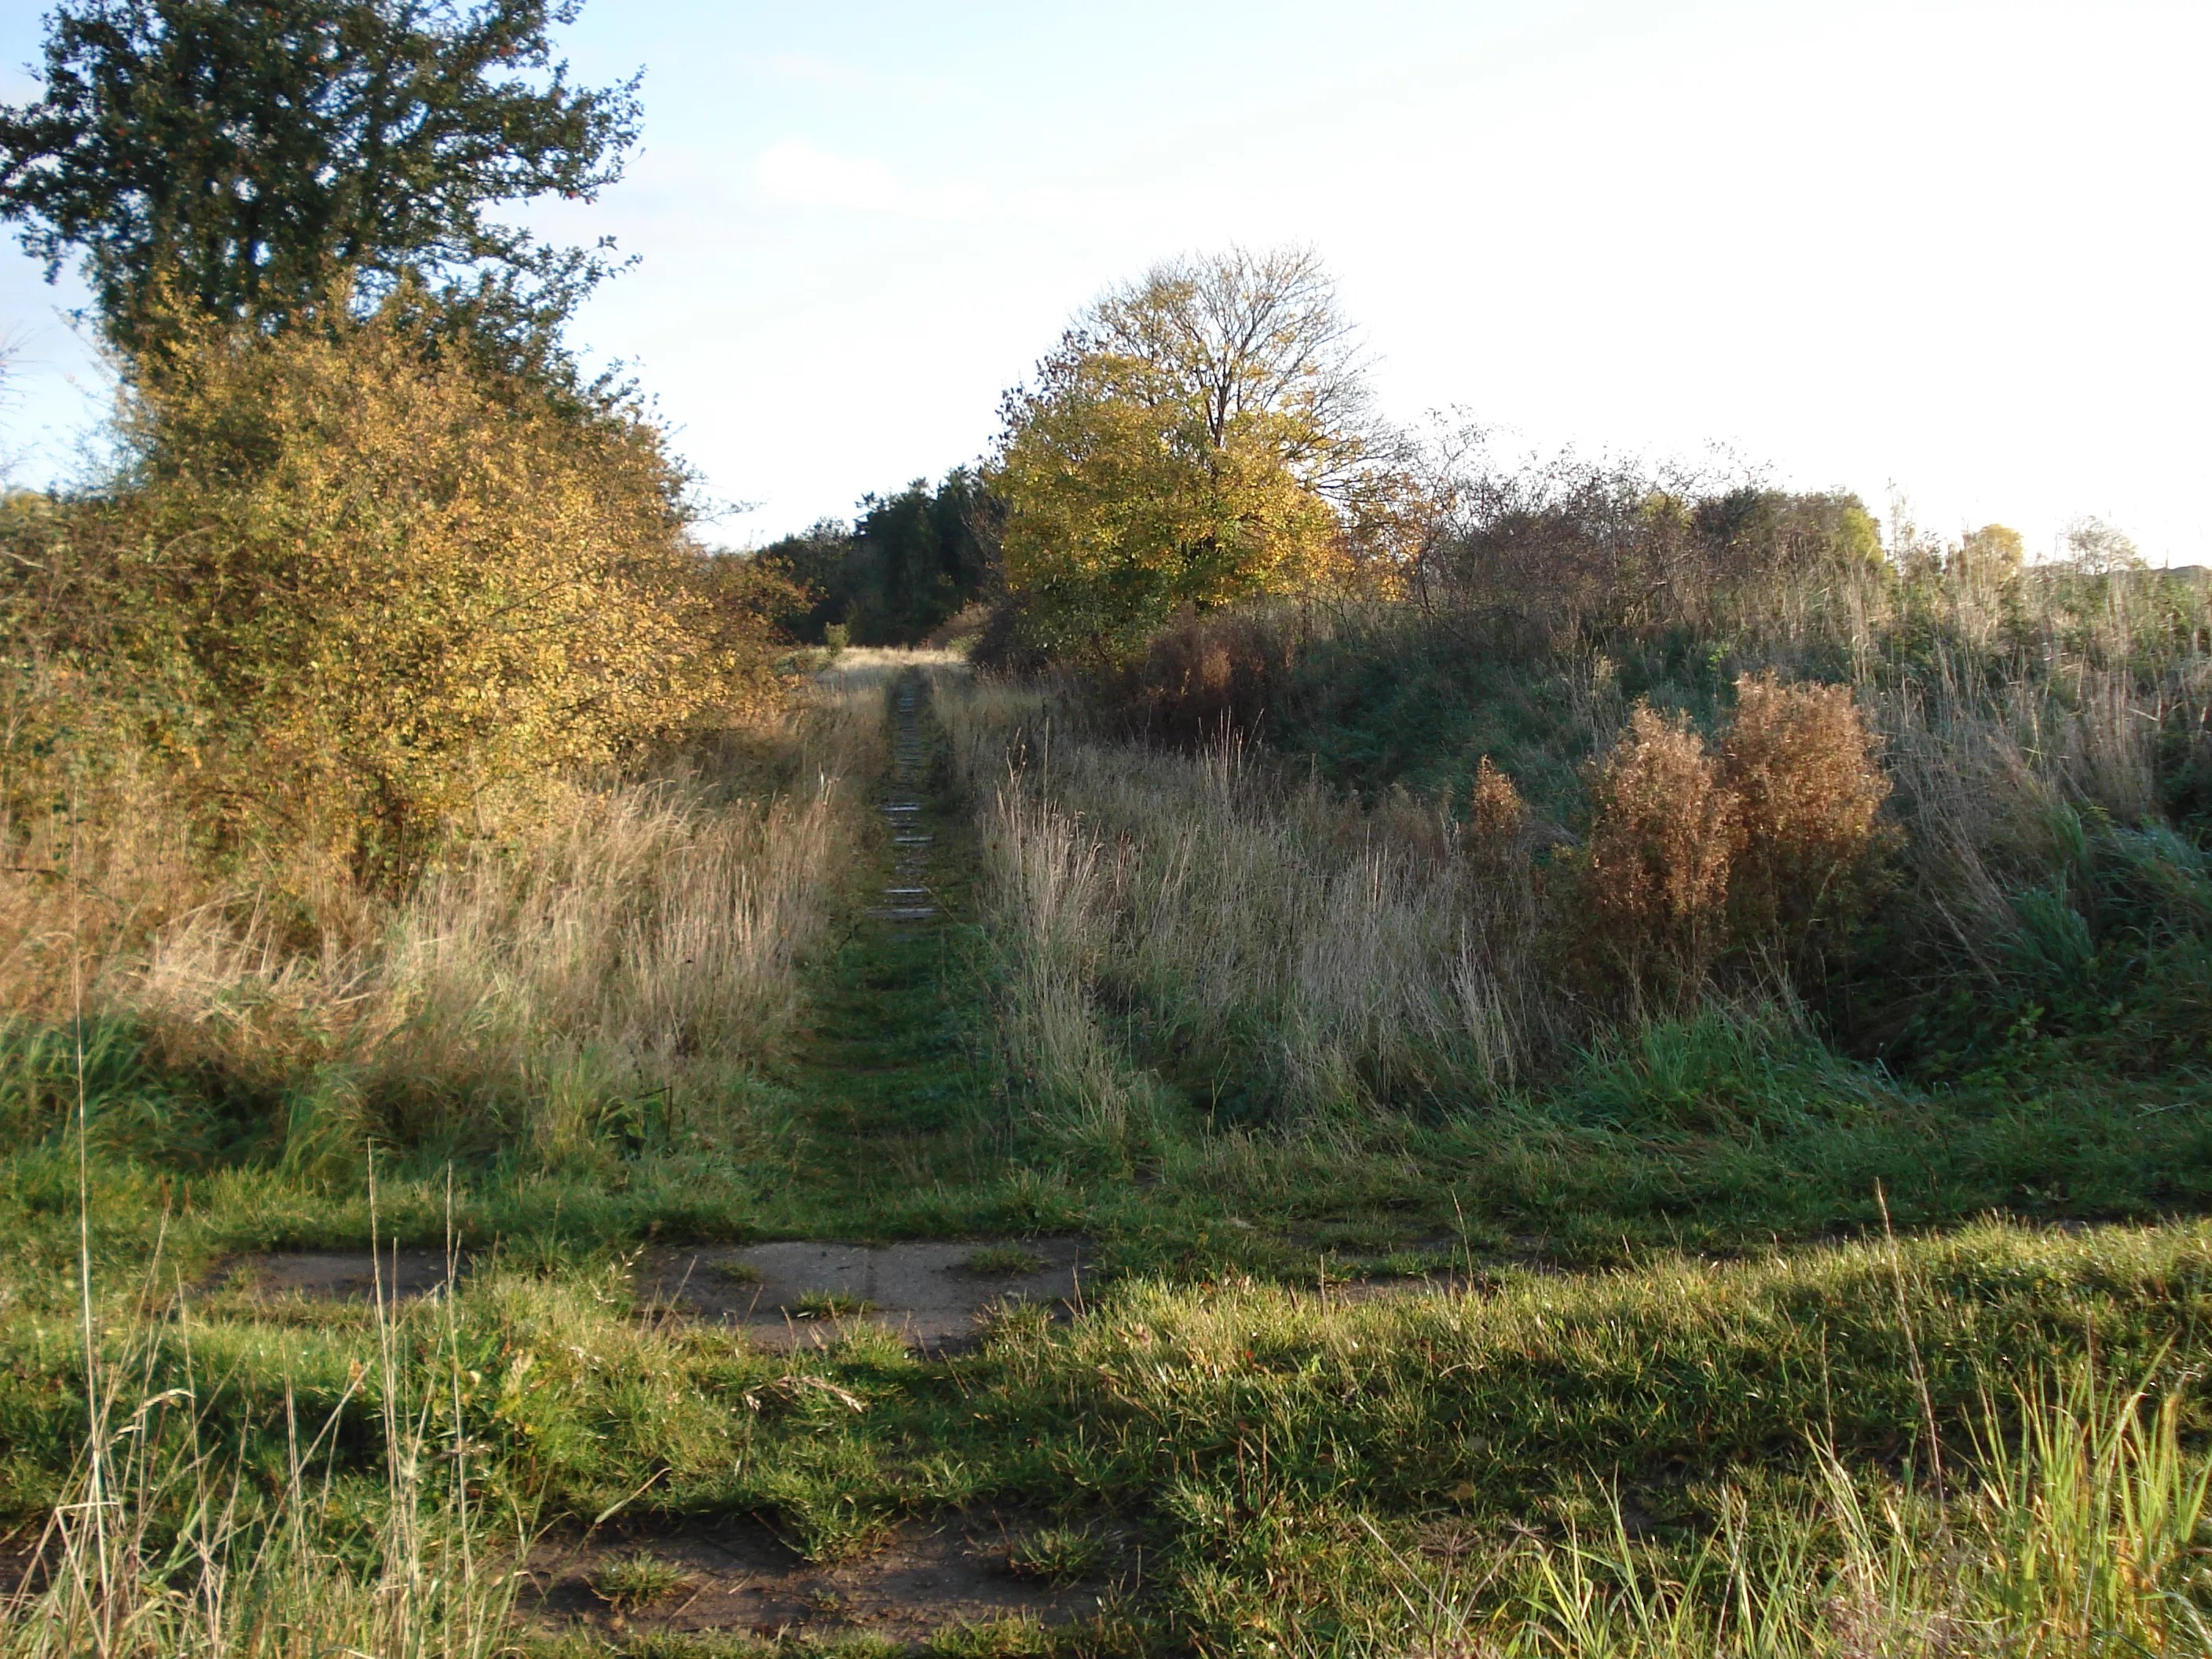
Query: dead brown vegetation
<point x="1207" y="678"/>
<point x="1763" y="847"/>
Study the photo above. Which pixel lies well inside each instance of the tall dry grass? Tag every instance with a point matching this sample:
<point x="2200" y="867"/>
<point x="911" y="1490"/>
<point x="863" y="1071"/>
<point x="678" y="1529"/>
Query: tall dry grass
<point x="2080" y="1531"/>
<point x="1300" y="955"/>
<point x="1277" y="949"/>
<point x="1996" y="774"/>
<point x="169" y="1541"/>
<point x="641" y="934"/>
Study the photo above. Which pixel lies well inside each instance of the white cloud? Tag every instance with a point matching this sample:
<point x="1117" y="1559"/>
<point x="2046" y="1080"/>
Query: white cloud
<point x="792" y="171"/>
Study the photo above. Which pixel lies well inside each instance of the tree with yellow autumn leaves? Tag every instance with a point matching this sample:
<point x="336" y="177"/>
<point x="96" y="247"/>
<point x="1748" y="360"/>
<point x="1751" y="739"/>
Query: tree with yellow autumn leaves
<point x="1200" y="436"/>
<point x="404" y="591"/>
<point x="382" y="564"/>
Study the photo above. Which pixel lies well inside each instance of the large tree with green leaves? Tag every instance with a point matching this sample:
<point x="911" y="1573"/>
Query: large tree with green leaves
<point x="248" y="159"/>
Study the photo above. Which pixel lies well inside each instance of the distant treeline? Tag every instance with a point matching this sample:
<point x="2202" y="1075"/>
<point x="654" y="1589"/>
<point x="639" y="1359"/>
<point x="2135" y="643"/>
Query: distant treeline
<point x="911" y="562"/>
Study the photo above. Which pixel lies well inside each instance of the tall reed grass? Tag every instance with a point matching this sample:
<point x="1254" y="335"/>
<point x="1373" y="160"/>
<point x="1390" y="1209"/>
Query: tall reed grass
<point x="1272" y="945"/>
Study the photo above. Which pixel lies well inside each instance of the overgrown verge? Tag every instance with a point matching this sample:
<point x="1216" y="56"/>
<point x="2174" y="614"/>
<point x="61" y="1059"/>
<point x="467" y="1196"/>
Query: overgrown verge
<point x="1608" y="761"/>
<point x="381" y="763"/>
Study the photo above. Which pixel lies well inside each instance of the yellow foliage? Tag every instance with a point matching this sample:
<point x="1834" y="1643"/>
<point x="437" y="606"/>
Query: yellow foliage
<point x="1192" y="444"/>
<point x="406" y="594"/>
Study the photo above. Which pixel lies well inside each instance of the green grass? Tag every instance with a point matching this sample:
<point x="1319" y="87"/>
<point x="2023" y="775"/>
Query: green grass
<point x="1245" y="1436"/>
<point x="830" y="1304"/>
<point x="1002" y="1261"/>
<point x="1058" y="1555"/>
<point x="639" y="1581"/>
<point x="1295" y="1475"/>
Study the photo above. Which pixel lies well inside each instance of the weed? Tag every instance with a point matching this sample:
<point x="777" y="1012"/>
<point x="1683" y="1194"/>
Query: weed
<point x="1655" y="870"/>
<point x="639" y="1581"/>
<point x="1058" y="1555"/>
<point x="829" y="1305"/>
<point x="1410" y="1264"/>
<point x="1000" y="1639"/>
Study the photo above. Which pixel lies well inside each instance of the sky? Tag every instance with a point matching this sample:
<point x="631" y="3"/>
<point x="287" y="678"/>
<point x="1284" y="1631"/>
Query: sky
<point x="1946" y="254"/>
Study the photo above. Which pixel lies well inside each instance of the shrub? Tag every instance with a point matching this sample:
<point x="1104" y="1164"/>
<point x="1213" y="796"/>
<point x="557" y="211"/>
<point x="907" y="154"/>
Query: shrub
<point x="1800" y="767"/>
<point x="1206" y="678"/>
<point x="1655" y="869"/>
<point x="403" y="592"/>
<point x="1008" y="642"/>
<point x="1766" y="848"/>
<point x="1497" y="819"/>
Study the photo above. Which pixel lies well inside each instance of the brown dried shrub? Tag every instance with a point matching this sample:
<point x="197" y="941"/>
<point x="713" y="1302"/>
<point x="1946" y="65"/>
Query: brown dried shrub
<point x="1504" y="888"/>
<point x="1496" y="839"/>
<point x="1766" y="848"/>
<point x="1497" y="815"/>
<point x="1206" y="678"/>
<point x="1807" y="781"/>
<point x="1655" y="868"/>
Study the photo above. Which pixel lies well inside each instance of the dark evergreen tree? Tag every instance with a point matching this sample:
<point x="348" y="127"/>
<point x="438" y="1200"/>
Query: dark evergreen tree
<point x="912" y="562"/>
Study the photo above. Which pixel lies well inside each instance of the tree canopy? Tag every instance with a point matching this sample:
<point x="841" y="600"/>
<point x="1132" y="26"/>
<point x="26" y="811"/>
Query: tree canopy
<point x="913" y="560"/>
<point x="392" y="594"/>
<point x="245" y="158"/>
<point x="1198" y="437"/>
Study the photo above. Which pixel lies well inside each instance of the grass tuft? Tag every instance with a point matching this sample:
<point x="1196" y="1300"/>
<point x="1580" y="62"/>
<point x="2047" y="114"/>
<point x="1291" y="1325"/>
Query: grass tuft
<point x="1058" y="1555"/>
<point x="830" y="1304"/>
<point x="639" y="1581"/>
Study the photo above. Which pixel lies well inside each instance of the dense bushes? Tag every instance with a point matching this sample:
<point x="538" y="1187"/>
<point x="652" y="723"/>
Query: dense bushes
<point x="351" y="594"/>
<point x="363" y="767"/>
<point x="1949" y="805"/>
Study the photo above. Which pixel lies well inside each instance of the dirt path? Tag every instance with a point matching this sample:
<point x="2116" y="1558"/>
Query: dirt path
<point x="908" y="897"/>
<point x="892" y="1087"/>
<point x="894" y="1084"/>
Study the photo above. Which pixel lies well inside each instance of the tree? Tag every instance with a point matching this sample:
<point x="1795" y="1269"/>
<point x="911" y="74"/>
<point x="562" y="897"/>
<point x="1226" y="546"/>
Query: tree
<point x="401" y="598"/>
<point x="2097" y="549"/>
<point x="914" y="559"/>
<point x="920" y="558"/>
<point x="1198" y="437"/>
<point x="247" y="159"/>
<point x="1758" y="532"/>
<point x="1991" y="555"/>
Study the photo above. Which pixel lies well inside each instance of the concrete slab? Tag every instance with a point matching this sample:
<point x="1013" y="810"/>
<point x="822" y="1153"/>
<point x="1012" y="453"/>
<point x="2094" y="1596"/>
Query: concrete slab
<point x="931" y="1292"/>
<point x="341" y="1275"/>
